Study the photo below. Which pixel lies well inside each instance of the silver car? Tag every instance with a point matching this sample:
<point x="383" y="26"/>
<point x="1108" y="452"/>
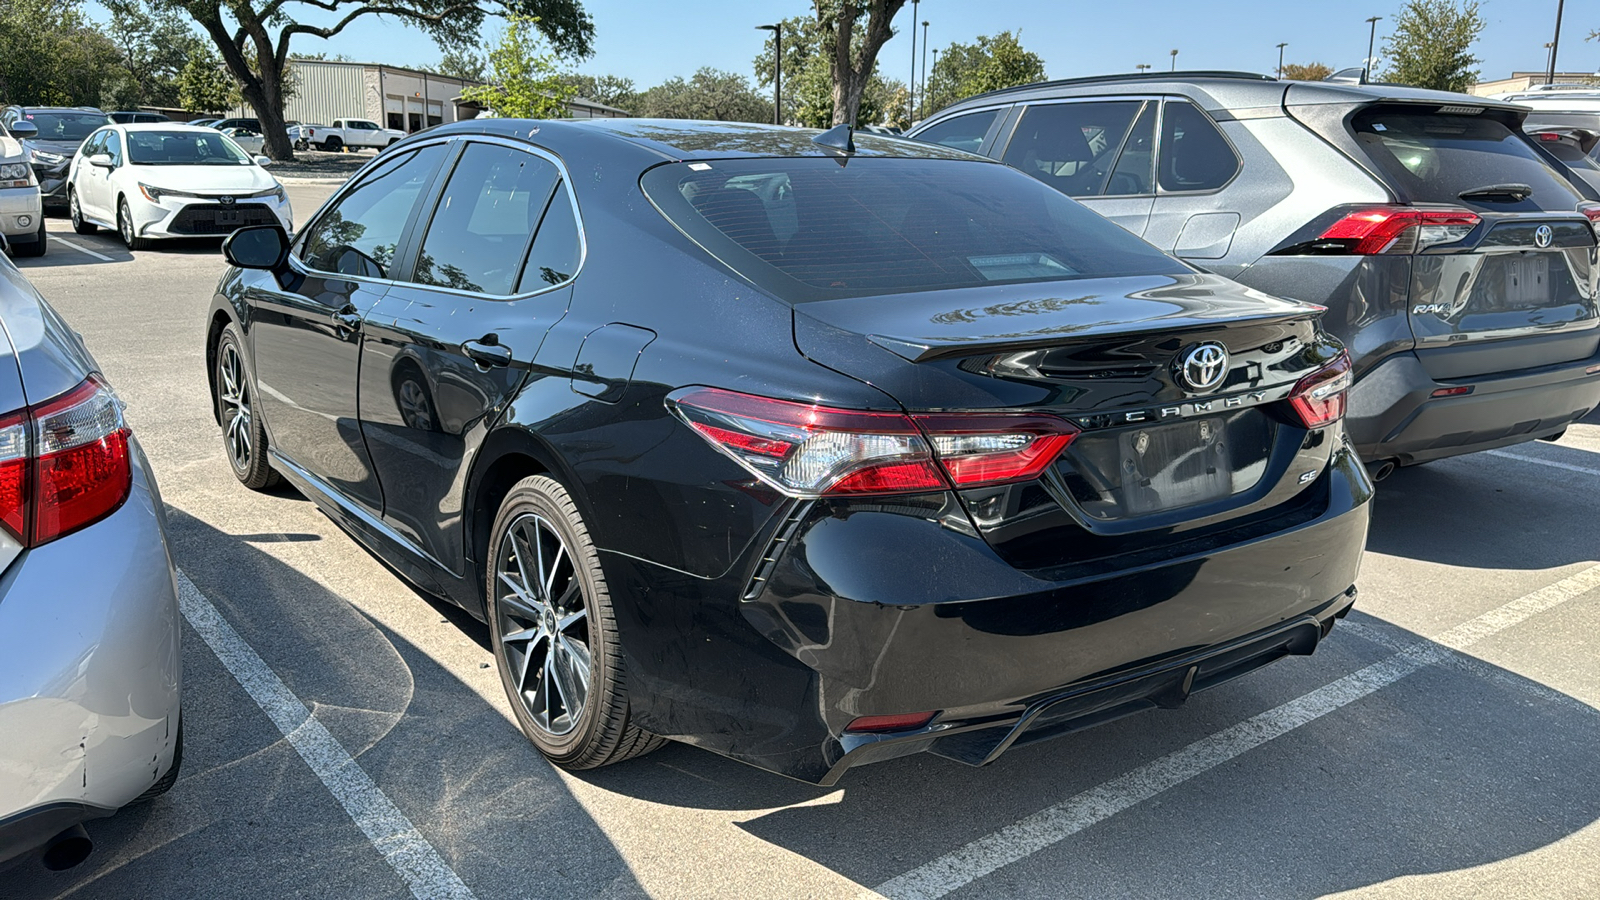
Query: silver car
<point x="89" y="622"/>
<point x="21" y="206"/>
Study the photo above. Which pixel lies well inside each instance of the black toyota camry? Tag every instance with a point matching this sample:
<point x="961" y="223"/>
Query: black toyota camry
<point x="806" y="449"/>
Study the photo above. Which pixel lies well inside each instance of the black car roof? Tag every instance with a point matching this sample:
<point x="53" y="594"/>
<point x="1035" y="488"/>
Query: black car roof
<point x="685" y="139"/>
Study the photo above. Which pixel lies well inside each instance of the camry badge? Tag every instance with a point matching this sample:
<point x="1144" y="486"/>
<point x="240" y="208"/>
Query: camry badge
<point x="1543" y="235"/>
<point x="1203" y="366"/>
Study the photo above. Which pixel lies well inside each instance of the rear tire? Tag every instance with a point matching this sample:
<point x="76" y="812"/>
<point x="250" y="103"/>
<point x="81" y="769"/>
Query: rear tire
<point x="125" y="227"/>
<point x="333" y="144"/>
<point x="244" y="435"/>
<point x="79" y="223"/>
<point x="554" y="632"/>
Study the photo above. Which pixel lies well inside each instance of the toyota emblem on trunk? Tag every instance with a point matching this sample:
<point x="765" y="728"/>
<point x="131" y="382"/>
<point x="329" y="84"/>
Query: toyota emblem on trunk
<point x="1203" y="367"/>
<point x="1543" y="235"/>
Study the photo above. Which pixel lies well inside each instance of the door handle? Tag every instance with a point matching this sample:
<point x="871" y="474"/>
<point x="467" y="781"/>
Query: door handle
<point x="487" y="352"/>
<point x="346" y="321"/>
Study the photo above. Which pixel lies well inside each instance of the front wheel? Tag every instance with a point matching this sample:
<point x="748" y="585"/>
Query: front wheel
<point x="555" y="634"/>
<point x="125" y="227"/>
<point x="79" y="223"/>
<point x="244" y="436"/>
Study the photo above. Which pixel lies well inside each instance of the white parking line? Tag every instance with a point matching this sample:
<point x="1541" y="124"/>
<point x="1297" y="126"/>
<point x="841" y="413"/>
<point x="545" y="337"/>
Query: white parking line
<point x="81" y="249"/>
<point x="1582" y="470"/>
<point x="391" y="833"/>
<point x="1050" y="826"/>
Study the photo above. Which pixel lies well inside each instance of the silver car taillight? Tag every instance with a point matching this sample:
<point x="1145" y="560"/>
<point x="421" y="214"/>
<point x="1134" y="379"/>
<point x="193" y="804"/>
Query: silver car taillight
<point x="64" y="464"/>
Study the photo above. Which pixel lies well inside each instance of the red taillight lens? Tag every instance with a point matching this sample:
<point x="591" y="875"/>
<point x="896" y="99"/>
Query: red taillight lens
<point x="881" y="724"/>
<point x="806" y="450"/>
<point x="1319" y="398"/>
<point x="63" y="464"/>
<point x="1399" y="229"/>
<point x="1591" y="211"/>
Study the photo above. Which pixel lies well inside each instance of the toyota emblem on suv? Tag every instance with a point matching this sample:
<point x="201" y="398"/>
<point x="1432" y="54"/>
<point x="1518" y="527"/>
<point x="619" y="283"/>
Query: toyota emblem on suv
<point x="1543" y="235"/>
<point x="1203" y="366"/>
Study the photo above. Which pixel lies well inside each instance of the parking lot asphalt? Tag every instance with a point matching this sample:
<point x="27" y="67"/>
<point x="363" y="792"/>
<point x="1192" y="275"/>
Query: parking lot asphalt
<point x="1441" y="743"/>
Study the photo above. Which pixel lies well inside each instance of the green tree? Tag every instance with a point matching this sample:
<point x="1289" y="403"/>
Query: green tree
<point x="1312" y="71"/>
<point x="808" y="81"/>
<point x="611" y="90"/>
<point x="1432" y="43"/>
<point x="989" y="64"/>
<point x="852" y="33"/>
<point x="524" y="82"/>
<point x="463" y="63"/>
<point x="153" y="46"/>
<point x="255" y="36"/>
<point x="51" y="53"/>
<point x="204" y="85"/>
<point x="709" y="94"/>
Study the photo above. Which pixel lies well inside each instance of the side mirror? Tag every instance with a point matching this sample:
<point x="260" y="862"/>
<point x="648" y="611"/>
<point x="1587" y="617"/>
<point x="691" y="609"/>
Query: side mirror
<point x="23" y="129"/>
<point x="103" y="160"/>
<point x="257" y="247"/>
<point x="263" y="161"/>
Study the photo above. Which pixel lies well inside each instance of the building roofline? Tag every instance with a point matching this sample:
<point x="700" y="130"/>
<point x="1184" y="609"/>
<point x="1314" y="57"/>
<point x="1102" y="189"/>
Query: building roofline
<point x="293" y="60"/>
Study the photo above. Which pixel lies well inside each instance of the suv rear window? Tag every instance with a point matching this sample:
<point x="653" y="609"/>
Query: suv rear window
<point x="817" y="228"/>
<point x="1434" y="158"/>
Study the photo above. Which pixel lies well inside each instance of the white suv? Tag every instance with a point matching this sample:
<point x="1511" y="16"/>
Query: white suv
<point x="21" y="208"/>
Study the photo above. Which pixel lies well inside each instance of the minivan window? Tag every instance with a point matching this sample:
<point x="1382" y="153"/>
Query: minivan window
<point x="961" y="132"/>
<point x="485" y="218"/>
<point x="1071" y="146"/>
<point x="1194" y="154"/>
<point x="811" y="229"/>
<point x="359" y="234"/>
<point x="1433" y="158"/>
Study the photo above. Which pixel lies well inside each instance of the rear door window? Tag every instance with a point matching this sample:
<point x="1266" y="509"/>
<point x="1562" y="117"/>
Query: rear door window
<point x="1194" y="154"/>
<point x="961" y="132"/>
<point x="1431" y="157"/>
<point x="1071" y="146"/>
<point x="557" y="248"/>
<point x="812" y="229"/>
<point x="485" y="218"/>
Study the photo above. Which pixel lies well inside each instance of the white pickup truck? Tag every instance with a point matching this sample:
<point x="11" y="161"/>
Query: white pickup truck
<point x="352" y="133"/>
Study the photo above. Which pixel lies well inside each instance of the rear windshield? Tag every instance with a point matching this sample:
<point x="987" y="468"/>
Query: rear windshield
<point x="813" y="229"/>
<point x="1435" y="158"/>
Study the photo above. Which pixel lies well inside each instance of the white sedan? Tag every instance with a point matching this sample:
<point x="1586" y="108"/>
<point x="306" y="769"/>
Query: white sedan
<point x="248" y="141"/>
<point x="162" y="180"/>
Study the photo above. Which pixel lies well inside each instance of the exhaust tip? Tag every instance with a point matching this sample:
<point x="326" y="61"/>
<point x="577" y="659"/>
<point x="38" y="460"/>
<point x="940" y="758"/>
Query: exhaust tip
<point x="1381" y="469"/>
<point x="67" y="849"/>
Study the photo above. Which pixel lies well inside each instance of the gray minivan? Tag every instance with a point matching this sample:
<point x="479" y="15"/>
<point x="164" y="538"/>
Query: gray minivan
<point x="1457" y="257"/>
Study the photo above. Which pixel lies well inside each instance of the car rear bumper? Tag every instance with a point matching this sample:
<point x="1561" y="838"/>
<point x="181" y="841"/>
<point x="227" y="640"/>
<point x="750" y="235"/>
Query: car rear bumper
<point x="1394" y="415"/>
<point x="880" y="609"/>
<point x="89" y="671"/>
<point x="20" y="209"/>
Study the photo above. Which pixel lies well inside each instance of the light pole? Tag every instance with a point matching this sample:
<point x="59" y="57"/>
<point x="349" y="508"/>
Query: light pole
<point x="1548" y="62"/>
<point x="911" y="97"/>
<point x="1141" y="67"/>
<point x="1174" y="60"/>
<point x="923" y="109"/>
<point x="1280" y="59"/>
<point x="1372" y="36"/>
<point x="1555" y="43"/>
<point x="777" y="70"/>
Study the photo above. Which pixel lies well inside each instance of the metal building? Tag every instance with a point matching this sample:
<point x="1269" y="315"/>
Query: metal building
<point x="396" y="97"/>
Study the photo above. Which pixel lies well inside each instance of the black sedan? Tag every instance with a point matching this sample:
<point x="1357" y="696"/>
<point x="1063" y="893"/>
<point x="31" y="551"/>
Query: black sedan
<point x="808" y="450"/>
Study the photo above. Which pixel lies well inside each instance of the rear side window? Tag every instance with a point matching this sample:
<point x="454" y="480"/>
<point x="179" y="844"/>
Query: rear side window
<point x="485" y="219"/>
<point x="813" y="229"/>
<point x="1434" y="158"/>
<point x="358" y="235"/>
<point x="1194" y="154"/>
<point x="1072" y="146"/>
<point x="961" y="132"/>
<point x="556" y="249"/>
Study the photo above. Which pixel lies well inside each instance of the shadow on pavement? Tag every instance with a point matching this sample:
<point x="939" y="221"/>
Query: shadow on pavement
<point x="248" y="819"/>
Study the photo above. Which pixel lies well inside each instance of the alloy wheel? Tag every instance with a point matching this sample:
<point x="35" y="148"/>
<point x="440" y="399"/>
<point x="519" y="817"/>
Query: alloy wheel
<point x="125" y="224"/>
<point x="544" y="624"/>
<point x="234" y="393"/>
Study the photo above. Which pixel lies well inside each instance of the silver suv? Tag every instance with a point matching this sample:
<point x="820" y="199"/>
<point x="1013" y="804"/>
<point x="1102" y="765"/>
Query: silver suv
<point x="1456" y="256"/>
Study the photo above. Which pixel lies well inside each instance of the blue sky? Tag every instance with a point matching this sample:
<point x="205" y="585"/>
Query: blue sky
<point x="652" y="41"/>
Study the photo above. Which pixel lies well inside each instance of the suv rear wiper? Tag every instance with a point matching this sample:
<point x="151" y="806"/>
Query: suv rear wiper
<point x="1514" y="192"/>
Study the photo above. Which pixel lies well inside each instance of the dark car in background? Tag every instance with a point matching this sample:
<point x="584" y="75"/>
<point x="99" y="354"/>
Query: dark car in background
<point x="137" y="118"/>
<point x="1455" y="256"/>
<point x="51" y="135"/>
<point x="1574" y="146"/>
<point x="808" y="451"/>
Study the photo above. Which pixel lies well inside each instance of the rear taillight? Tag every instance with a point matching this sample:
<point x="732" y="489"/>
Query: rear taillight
<point x="1591" y="211"/>
<point x="1397" y="229"/>
<point x="1319" y="398"/>
<point x="807" y="450"/>
<point x="63" y="464"/>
